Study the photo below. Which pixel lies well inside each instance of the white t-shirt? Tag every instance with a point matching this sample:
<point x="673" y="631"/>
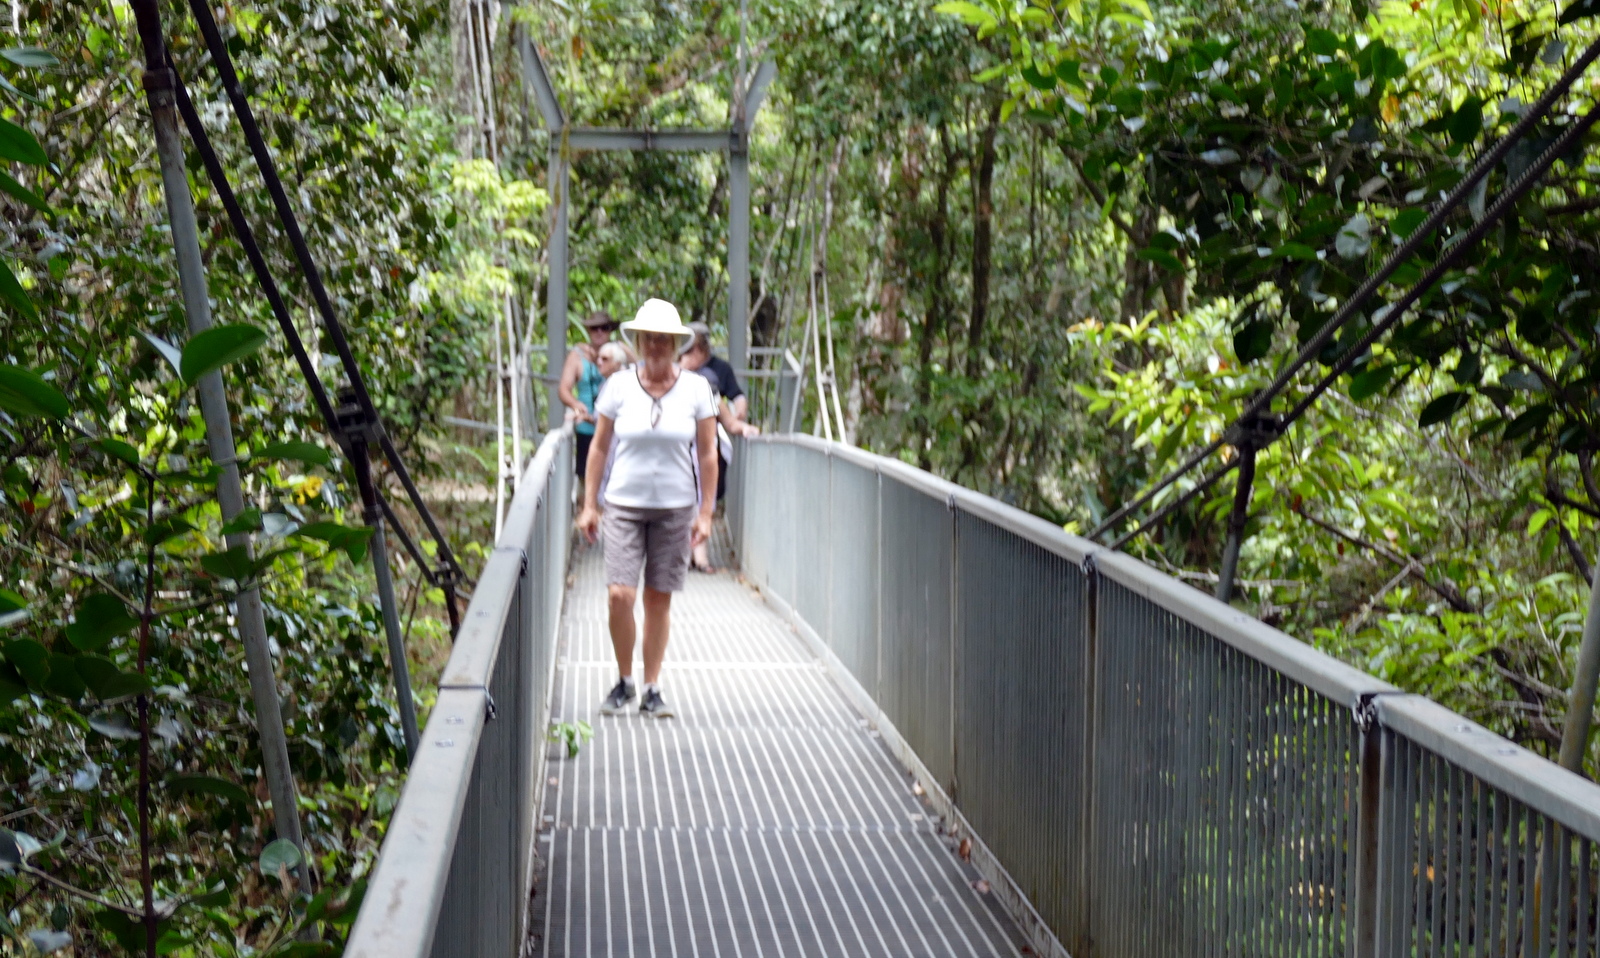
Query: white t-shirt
<point x="654" y="466"/>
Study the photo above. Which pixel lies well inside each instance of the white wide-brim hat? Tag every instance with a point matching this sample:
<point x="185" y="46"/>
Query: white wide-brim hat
<point x="657" y="316"/>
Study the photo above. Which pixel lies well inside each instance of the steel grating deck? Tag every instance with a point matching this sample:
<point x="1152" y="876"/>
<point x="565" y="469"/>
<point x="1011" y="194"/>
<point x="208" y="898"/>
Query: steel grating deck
<point x="767" y="819"/>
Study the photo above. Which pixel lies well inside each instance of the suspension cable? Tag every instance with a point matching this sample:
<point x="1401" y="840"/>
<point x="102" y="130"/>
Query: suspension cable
<point x="1503" y="204"/>
<point x="1351" y="307"/>
<point x="223" y="64"/>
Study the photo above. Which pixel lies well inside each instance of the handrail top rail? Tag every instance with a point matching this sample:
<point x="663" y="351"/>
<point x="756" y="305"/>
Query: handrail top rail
<point x="1314" y="669"/>
<point x="1526" y="776"/>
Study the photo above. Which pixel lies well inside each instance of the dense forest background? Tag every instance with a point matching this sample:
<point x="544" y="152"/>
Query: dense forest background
<point x="1044" y="249"/>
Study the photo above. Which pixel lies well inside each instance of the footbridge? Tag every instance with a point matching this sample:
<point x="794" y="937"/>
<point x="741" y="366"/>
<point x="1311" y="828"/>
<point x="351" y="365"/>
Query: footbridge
<point x="921" y="722"/>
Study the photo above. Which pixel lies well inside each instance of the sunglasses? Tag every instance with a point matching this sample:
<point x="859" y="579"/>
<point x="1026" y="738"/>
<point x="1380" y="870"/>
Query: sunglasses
<point x="607" y="328"/>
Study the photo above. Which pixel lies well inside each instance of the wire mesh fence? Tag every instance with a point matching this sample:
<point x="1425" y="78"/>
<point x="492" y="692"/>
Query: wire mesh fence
<point x="1149" y="772"/>
<point x="454" y="875"/>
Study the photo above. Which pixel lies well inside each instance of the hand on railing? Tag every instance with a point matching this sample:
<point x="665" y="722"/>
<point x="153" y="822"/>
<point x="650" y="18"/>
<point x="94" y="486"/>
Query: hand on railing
<point x="589" y="523"/>
<point x="748" y="429"/>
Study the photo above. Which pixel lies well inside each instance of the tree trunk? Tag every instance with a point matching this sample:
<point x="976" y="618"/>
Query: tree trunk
<point x="982" y="242"/>
<point x="938" y="287"/>
<point x="463" y="78"/>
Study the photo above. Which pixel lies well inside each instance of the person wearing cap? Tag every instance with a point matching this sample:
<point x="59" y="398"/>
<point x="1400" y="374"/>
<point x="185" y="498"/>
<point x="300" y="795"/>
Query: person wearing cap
<point x="655" y="449"/>
<point x="697" y="355"/>
<point x="581" y="380"/>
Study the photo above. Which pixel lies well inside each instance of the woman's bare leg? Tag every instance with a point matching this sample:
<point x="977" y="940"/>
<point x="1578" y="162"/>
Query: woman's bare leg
<point x="657" y="620"/>
<point x="623" y="630"/>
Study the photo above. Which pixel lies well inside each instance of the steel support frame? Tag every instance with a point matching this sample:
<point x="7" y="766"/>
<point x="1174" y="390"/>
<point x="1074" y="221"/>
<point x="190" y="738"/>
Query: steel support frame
<point x="566" y="139"/>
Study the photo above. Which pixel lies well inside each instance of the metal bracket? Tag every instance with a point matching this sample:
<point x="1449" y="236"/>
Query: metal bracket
<point x="1257" y="432"/>
<point x="1090" y="568"/>
<point x="489" y="712"/>
<point x="1365" y="711"/>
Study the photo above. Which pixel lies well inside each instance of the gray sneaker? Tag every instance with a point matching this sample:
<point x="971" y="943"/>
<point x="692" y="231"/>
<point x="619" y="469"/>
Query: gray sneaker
<point x="622" y="696"/>
<point x="654" y="706"/>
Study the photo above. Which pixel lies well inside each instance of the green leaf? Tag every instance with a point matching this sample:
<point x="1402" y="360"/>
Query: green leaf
<point x="1532" y="420"/>
<point x="209" y="785"/>
<point x="247" y="521"/>
<point x="1295" y="251"/>
<point x="1253" y="340"/>
<point x="9" y="184"/>
<point x="970" y="13"/>
<point x="1579" y="9"/>
<point x="167" y="351"/>
<point x="279" y="856"/>
<point x="24" y="392"/>
<point x="128" y="934"/>
<point x="295" y="451"/>
<point x="1441" y="408"/>
<point x="31" y="659"/>
<point x="99" y="619"/>
<point x="117" y="449"/>
<point x="218" y="346"/>
<point x="13" y="293"/>
<point x="164" y="529"/>
<point x="114" y="725"/>
<point x="1355" y="237"/>
<point x="1323" y="43"/>
<point x="11" y="601"/>
<point x="108" y="682"/>
<point x="30" y="56"/>
<point x="1370" y="381"/>
<point x="1466" y="122"/>
<point x="1406" y="222"/>
<point x="20" y="145"/>
<point x="234" y="564"/>
<point x="351" y="540"/>
<point x="1163" y="258"/>
<point x="64" y="679"/>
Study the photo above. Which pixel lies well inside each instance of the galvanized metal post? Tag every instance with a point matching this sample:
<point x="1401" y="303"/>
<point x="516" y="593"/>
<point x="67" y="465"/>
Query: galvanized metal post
<point x="1580" y="704"/>
<point x="357" y="435"/>
<point x="160" y="84"/>
<point x="1368" y="824"/>
<point x="739" y="250"/>
<point x="556" y="297"/>
<point x="1236" y="521"/>
<point x="1091" y="669"/>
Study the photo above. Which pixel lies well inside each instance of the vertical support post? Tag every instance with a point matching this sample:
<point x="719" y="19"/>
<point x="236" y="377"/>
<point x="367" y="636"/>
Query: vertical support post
<point x="739" y="251"/>
<point x="1236" y="521"/>
<point x="1091" y="655"/>
<point x="1580" y="705"/>
<point x="356" y="435"/>
<point x="556" y="298"/>
<point x="1368" y="822"/>
<point x="160" y="84"/>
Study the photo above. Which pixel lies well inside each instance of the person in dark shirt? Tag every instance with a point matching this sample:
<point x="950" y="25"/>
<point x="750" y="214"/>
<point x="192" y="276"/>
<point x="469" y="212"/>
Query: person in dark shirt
<point x="698" y="356"/>
<point x="732" y="408"/>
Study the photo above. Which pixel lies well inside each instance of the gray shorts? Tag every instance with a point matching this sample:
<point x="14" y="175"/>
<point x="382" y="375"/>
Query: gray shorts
<point x="655" y="540"/>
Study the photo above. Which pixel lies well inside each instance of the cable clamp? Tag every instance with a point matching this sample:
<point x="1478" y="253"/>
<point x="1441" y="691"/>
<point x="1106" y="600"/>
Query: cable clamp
<point x="1257" y="432"/>
<point x="489" y="712"/>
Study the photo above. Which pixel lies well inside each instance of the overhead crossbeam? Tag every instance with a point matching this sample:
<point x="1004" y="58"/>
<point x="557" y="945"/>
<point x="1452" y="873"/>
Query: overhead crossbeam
<point x="611" y="138"/>
<point x="566" y="139"/>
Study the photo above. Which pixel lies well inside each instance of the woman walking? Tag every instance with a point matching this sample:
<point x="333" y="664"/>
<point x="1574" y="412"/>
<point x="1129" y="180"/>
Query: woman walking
<point x="656" y="428"/>
<point x="581" y="380"/>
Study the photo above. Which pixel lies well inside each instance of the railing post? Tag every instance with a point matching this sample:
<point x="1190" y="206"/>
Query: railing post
<point x="1368" y="824"/>
<point x="1090" y="725"/>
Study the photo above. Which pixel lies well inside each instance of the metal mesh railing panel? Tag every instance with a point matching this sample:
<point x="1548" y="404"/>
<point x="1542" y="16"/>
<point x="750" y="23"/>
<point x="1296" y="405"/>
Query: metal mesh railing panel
<point x="916" y="664"/>
<point x="852" y="630"/>
<point x="1225" y="797"/>
<point x="1473" y="871"/>
<point x="811" y="496"/>
<point x="1022" y="699"/>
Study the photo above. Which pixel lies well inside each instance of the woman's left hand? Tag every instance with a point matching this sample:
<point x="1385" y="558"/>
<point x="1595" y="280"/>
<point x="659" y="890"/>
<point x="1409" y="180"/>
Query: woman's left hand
<point x="702" y="529"/>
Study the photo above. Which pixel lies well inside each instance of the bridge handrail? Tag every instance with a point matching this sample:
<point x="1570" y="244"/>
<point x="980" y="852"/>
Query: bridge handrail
<point x="458" y="850"/>
<point x="1185" y="723"/>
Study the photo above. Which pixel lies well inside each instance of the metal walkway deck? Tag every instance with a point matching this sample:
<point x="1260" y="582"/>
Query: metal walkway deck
<point x="767" y="819"/>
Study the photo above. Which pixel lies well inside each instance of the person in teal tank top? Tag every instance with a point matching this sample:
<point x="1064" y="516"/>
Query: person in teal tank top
<point x="581" y="381"/>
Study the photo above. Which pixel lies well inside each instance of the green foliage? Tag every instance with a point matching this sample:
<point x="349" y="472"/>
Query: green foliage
<point x="572" y="735"/>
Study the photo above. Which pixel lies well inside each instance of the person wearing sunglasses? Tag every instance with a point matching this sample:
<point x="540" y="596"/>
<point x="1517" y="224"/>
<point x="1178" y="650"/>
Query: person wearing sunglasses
<point x="655" y="453"/>
<point x="581" y="380"/>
